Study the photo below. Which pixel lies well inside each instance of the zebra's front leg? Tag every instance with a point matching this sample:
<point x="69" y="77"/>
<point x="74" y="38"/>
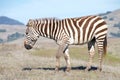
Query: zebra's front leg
<point x="58" y="55"/>
<point x="67" y="59"/>
<point x="57" y="63"/>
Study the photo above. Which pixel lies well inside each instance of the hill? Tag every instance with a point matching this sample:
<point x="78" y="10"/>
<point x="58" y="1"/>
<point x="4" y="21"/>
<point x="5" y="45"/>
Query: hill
<point x="9" y="21"/>
<point x="10" y="33"/>
<point x="113" y="20"/>
<point x="13" y="29"/>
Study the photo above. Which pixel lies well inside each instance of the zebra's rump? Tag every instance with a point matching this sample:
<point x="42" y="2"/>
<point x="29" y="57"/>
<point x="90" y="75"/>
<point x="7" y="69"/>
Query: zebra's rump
<point x="83" y="29"/>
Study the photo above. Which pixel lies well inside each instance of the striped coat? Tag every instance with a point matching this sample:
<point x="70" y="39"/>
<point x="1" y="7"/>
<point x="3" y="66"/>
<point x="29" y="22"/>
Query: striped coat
<point x="87" y="29"/>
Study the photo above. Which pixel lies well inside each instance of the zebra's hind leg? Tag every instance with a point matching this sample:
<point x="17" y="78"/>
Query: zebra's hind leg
<point x="67" y="59"/>
<point x="100" y="52"/>
<point x="91" y="50"/>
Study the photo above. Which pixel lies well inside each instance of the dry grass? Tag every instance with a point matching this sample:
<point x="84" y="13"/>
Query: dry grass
<point x="16" y="63"/>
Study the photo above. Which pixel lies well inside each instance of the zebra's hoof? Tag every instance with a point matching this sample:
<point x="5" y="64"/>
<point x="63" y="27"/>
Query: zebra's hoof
<point x="100" y="69"/>
<point x="87" y="69"/>
<point x="68" y="69"/>
<point x="56" y="70"/>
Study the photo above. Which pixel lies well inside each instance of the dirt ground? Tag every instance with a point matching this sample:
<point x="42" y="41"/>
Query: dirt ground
<point x="17" y="63"/>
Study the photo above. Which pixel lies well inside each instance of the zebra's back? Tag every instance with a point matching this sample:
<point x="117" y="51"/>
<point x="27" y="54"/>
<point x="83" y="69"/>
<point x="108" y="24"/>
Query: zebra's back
<point x="83" y="29"/>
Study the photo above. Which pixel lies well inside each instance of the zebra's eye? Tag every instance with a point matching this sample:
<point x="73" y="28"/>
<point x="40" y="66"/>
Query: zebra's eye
<point x="33" y="40"/>
<point x="38" y="36"/>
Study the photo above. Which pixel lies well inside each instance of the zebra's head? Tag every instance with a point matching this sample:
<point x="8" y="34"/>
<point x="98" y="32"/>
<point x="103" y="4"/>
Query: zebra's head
<point x="31" y="35"/>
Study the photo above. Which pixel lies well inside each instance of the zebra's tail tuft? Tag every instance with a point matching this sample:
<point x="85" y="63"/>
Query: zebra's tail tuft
<point x="105" y="46"/>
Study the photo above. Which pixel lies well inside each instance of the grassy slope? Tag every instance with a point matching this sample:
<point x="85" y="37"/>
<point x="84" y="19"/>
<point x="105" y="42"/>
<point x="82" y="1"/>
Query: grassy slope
<point x="16" y="63"/>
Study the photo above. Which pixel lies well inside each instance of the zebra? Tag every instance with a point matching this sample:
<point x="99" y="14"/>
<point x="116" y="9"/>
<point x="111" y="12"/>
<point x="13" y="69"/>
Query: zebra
<point x="70" y="31"/>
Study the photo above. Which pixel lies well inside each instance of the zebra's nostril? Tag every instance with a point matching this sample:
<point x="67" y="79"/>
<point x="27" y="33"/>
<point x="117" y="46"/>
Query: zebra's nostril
<point x="28" y="47"/>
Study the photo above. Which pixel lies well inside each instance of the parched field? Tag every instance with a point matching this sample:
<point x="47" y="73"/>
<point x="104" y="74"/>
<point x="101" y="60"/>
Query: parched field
<point x="16" y="63"/>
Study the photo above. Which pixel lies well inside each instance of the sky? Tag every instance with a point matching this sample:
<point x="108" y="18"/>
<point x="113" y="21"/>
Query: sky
<point x="23" y="10"/>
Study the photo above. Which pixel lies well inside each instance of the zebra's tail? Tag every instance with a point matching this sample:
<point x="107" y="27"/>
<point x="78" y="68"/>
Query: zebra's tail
<point x="105" y="46"/>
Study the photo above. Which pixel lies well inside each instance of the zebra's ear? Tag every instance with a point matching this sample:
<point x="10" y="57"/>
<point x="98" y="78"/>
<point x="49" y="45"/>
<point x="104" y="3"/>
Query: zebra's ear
<point x="30" y="23"/>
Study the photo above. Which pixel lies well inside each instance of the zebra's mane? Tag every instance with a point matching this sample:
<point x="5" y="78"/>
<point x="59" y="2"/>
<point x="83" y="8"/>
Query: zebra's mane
<point x="51" y="18"/>
<point x="43" y="20"/>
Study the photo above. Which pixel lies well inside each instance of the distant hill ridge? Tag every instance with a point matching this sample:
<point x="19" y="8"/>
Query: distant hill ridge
<point x="113" y="20"/>
<point x="9" y="21"/>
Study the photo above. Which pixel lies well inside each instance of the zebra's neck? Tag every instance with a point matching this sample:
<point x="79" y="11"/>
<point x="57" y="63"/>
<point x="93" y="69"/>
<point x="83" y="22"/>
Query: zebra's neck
<point x="49" y="28"/>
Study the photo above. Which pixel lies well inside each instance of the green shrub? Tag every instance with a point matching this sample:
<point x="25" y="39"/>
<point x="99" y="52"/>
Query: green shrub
<point x="117" y="25"/>
<point x="14" y="36"/>
<point x="1" y="40"/>
<point x="115" y="34"/>
<point x="2" y="30"/>
<point x="111" y="19"/>
<point x="104" y="17"/>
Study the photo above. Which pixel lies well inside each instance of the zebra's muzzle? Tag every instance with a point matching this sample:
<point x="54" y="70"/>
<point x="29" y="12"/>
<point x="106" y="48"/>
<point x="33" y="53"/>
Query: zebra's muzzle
<point x="28" y="47"/>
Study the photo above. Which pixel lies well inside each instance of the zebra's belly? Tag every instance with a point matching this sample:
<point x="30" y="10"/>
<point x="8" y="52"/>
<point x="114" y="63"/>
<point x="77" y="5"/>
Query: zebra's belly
<point x="76" y="41"/>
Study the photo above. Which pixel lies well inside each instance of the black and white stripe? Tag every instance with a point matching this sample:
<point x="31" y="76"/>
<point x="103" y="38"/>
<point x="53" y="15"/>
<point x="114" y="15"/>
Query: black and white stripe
<point x="78" y="30"/>
<point x="87" y="29"/>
